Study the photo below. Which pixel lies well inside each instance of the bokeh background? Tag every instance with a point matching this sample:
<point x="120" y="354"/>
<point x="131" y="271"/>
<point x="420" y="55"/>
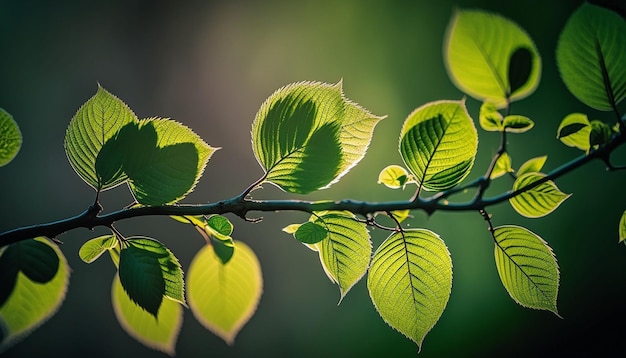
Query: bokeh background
<point x="210" y="65"/>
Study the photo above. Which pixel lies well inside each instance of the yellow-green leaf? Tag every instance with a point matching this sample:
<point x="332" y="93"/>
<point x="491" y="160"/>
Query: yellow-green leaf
<point x="393" y="176"/>
<point x="223" y="297"/>
<point x="346" y="250"/>
<point x="574" y="131"/>
<point x="491" y="58"/>
<point x="517" y="124"/>
<point x="503" y="166"/>
<point x="95" y="122"/>
<point x="92" y="249"/>
<point x="31" y="303"/>
<point x="538" y="201"/>
<point x="160" y="332"/>
<point x="489" y="117"/>
<point x="410" y="281"/>
<point x="10" y="138"/>
<point x="527" y="267"/>
<point x="438" y="143"/>
<point x="307" y="135"/>
<point x="533" y="165"/>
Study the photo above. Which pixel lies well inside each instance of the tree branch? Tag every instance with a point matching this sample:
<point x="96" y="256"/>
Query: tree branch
<point x="241" y="206"/>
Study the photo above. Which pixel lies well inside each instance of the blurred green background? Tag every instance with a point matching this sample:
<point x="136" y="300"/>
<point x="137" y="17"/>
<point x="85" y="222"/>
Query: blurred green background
<point x="210" y="65"/>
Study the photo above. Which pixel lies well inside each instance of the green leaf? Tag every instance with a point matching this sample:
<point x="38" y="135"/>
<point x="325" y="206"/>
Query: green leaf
<point x="622" y="228"/>
<point x="533" y="165"/>
<point x="346" y="250"/>
<point x="600" y="134"/>
<point x="393" y="176"/>
<point x="527" y="267"/>
<point x="220" y="225"/>
<point x="92" y="249"/>
<point x="31" y="302"/>
<point x="491" y="58"/>
<point x="10" y="138"/>
<point x="310" y="233"/>
<point x="307" y="135"/>
<point x="160" y="332"/>
<point x="489" y="118"/>
<point x="503" y="166"/>
<point x="438" y="143"/>
<point x="223" y="297"/>
<point x="170" y="163"/>
<point x="517" y="124"/>
<point x="538" y="201"/>
<point x="590" y="56"/>
<point x="574" y="131"/>
<point x="410" y="281"/>
<point x="148" y="271"/>
<point x="95" y="122"/>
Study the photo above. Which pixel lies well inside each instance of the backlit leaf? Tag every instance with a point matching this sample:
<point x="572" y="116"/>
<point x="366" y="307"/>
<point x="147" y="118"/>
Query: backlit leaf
<point x="393" y="176"/>
<point x="31" y="303"/>
<point x="91" y="250"/>
<point x="517" y="124"/>
<point x="590" y="56"/>
<point x="527" y="267"/>
<point x="410" y="281"/>
<point x="574" y="131"/>
<point x="10" y="138"/>
<point x="438" y="143"/>
<point x="346" y="250"/>
<point x="223" y="297"/>
<point x="310" y="233"/>
<point x="503" y="166"/>
<point x="160" y="332"/>
<point x="307" y="135"/>
<point x="148" y="271"/>
<point x="538" y="201"/>
<point x="489" y="117"/>
<point x="95" y="122"/>
<point x="600" y="133"/>
<point x="533" y="165"/>
<point x="491" y="58"/>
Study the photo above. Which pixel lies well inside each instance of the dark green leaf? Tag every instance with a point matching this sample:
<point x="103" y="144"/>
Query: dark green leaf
<point x="520" y="68"/>
<point x="9" y="268"/>
<point x="38" y="261"/>
<point x="600" y="133"/>
<point x="224" y="248"/>
<point x="141" y="277"/>
<point x="220" y="224"/>
<point x="311" y="233"/>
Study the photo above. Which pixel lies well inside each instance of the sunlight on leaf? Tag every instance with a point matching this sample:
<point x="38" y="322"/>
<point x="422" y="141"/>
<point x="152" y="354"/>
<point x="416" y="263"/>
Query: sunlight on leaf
<point x="223" y="297"/>
<point x="32" y="302"/>
<point x="590" y="56"/>
<point x="438" y="143"/>
<point x="489" y="118"/>
<point x="503" y="166"/>
<point x="95" y="122"/>
<point x="160" y="332"/>
<point x="10" y="138"/>
<point x="170" y="166"/>
<point x="91" y="250"/>
<point x="527" y="267"/>
<point x="574" y="131"/>
<point x="410" y="281"/>
<point x="307" y="135"/>
<point x="491" y="58"/>
<point x="346" y="250"/>
<point x="148" y="271"/>
<point x="533" y="165"/>
<point x="517" y="124"/>
<point x="538" y="201"/>
<point x="393" y="176"/>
